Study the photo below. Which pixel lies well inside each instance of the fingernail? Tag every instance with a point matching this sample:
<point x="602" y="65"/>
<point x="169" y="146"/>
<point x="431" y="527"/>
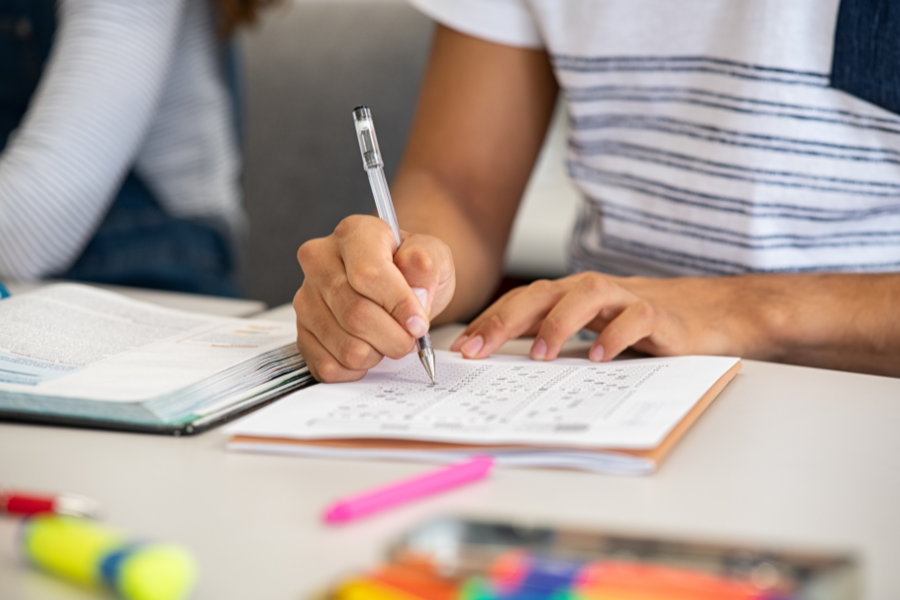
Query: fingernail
<point x="422" y="295"/>
<point x="472" y="346"/>
<point x="596" y="353"/>
<point x="459" y="342"/>
<point x="416" y="326"/>
<point x="539" y="350"/>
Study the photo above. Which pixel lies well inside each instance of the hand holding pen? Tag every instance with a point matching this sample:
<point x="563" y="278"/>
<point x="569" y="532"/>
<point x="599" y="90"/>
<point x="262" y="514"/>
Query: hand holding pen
<point x="362" y="298"/>
<point x="374" y="166"/>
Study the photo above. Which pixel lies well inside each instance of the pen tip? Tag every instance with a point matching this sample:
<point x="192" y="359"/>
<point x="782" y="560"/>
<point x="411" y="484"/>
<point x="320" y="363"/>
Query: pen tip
<point x="427" y="358"/>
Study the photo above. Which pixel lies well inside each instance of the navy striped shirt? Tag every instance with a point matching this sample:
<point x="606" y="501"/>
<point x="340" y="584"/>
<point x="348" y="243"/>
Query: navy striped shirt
<point x="706" y="136"/>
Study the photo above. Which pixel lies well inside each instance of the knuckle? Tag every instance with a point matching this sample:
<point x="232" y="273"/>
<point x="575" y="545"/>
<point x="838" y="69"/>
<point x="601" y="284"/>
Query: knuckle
<point x="541" y="286"/>
<point x="355" y="317"/>
<point x="349" y="225"/>
<point x="554" y="329"/>
<point x="420" y="261"/>
<point x="365" y="276"/>
<point x="307" y="252"/>
<point x="355" y="355"/>
<point x="594" y="283"/>
<point x="328" y="369"/>
<point x="646" y="311"/>
<point x="496" y="324"/>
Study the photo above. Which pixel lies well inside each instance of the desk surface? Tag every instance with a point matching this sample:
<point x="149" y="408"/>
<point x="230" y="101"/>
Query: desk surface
<point x="785" y="455"/>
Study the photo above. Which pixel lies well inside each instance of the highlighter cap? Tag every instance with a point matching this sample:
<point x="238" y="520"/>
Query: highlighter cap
<point x="368" y="141"/>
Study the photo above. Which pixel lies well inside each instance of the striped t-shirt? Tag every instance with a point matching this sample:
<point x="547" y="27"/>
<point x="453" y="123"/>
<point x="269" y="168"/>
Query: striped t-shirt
<point x="706" y="136"/>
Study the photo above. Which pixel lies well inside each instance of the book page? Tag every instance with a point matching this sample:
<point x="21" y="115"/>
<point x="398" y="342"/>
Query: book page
<point x="63" y="328"/>
<point x="567" y="402"/>
<point x="74" y="341"/>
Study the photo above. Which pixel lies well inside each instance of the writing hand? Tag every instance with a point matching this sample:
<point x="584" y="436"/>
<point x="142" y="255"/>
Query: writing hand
<point x="360" y="302"/>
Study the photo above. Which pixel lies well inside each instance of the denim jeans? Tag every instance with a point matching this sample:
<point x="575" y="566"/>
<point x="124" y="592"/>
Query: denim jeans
<point x="138" y="243"/>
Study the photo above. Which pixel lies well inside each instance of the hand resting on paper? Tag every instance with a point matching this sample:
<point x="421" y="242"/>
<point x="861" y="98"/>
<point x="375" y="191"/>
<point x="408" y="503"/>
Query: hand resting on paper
<point x="360" y="302"/>
<point x="659" y="317"/>
<point x="827" y="320"/>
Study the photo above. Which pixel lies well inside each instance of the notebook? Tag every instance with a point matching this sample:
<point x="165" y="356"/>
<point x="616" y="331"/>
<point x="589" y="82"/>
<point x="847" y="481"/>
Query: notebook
<point x="618" y="417"/>
<point x="75" y="355"/>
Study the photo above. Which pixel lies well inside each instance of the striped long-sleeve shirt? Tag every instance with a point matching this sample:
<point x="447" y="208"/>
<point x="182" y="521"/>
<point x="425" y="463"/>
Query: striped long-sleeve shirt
<point x="127" y="85"/>
<point x="708" y="136"/>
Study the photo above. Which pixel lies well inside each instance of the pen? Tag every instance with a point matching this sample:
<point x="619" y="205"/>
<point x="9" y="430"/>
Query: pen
<point x="27" y="504"/>
<point x="408" y="490"/>
<point x="4" y="293"/>
<point x="374" y="166"/>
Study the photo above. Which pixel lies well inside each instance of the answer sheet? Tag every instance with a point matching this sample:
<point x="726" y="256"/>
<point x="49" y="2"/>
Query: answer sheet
<point x="628" y="404"/>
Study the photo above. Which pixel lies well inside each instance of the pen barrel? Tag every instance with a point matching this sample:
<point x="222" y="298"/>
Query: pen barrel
<point x="383" y="203"/>
<point x="93" y="555"/>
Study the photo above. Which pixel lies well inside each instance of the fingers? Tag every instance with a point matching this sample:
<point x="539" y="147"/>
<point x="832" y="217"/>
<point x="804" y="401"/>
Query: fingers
<point x="356" y="306"/>
<point x="511" y="316"/>
<point x="590" y="297"/>
<point x="426" y="264"/>
<point x="366" y="245"/>
<point x="558" y="310"/>
<point x="637" y="322"/>
<point x="361" y="318"/>
<point x="322" y="365"/>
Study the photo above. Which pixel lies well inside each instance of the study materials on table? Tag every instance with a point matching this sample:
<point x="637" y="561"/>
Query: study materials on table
<point x="76" y="355"/>
<point x="388" y="496"/>
<point x="99" y="557"/>
<point x="456" y="559"/>
<point x="64" y="503"/>
<point x="617" y="417"/>
<point x="374" y="166"/>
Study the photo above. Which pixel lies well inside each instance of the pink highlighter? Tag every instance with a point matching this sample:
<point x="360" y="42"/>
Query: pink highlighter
<point x="414" y="488"/>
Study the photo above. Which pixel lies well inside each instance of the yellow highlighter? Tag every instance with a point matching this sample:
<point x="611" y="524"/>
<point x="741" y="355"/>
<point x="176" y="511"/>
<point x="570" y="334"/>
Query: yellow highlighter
<point x="85" y="552"/>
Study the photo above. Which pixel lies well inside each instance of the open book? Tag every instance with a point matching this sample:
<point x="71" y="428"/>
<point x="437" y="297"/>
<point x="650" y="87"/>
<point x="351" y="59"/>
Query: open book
<point x="76" y="355"/>
<point x="618" y="417"/>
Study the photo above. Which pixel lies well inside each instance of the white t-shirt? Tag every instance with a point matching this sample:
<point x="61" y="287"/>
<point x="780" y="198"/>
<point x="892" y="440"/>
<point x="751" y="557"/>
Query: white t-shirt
<point x="704" y="135"/>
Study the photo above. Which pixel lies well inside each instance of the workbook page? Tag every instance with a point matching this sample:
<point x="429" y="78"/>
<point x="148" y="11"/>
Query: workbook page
<point x="503" y="399"/>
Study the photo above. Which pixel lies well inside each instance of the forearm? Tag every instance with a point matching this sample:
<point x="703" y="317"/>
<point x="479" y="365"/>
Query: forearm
<point x="840" y="321"/>
<point x="426" y="205"/>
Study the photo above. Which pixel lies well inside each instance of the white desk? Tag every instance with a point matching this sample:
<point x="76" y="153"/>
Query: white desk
<point x="785" y="454"/>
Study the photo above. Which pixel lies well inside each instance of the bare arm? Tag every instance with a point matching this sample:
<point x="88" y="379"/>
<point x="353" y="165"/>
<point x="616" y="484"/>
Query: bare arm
<point x="482" y="116"/>
<point x="483" y="113"/>
<point x="838" y="321"/>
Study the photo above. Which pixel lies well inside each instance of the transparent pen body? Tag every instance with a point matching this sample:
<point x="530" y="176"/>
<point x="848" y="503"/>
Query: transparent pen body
<point x="373" y="163"/>
<point x="374" y="166"/>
